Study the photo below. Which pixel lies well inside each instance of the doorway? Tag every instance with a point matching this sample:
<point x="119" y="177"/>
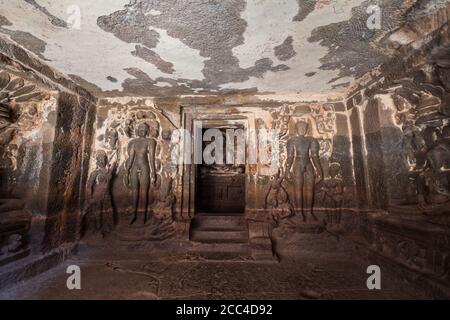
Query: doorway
<point x="220" y="188"/>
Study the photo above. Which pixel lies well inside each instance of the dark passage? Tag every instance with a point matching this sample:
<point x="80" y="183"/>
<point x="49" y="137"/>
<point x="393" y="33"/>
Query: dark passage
<point x="220" y="187"/>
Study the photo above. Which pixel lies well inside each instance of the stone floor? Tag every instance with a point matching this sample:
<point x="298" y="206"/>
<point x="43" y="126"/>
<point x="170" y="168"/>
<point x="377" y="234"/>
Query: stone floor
<point x="146" y="276"/>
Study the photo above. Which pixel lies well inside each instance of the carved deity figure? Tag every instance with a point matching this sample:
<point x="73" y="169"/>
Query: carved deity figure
<point x="277" y="199"/>
<point x="164" y="208"/>
<point x="414" y="146"/>
<point x="141" y="171"/>
<point x="111" y="138"/>
<point x="332" y="193"/>
<point x="99" y="215"/>
<point x="302" y="166"/>
<point x="161" y="224"/>
<point x="112" y="145"/>
<point x="12" y="244"/>
<point x="435" y="179"/>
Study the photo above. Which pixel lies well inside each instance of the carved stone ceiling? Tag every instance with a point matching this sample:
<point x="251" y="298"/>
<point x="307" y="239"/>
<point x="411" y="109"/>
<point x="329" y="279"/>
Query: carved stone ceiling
<point x="173" y="47"/>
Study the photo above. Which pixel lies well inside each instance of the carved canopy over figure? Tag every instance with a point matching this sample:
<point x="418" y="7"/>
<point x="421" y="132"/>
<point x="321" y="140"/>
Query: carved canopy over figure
<point x="302" y="166"/>
<point x="141" y="171"/>
<point x="423" y="110"/>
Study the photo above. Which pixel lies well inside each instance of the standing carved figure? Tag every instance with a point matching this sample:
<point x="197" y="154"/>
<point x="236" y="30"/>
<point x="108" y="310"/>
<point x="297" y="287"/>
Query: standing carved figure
<point x="332" y="193"/>
<point x="99" y="215"/>
<point x="302" y="166"/>
<point x="141" y="171"/>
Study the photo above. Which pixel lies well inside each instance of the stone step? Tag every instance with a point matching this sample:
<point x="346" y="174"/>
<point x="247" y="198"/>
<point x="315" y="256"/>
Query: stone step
<point x="223" y="256"/>
<point x="220" y="247"/>
<point x="220" y="237"/>
<point x="217" y="223"/>
<point x="208" y="236"/>
<point x="221" y="251"/>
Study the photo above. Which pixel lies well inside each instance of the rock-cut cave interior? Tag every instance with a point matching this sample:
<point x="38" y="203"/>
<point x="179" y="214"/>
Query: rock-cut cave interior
<point x="233" y="149"/>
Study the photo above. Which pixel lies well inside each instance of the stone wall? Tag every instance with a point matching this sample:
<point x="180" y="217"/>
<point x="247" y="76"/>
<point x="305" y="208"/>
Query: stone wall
<point x="393" y="111"/>
<point x="269" y="187"/>
<point x="46" y="130"/>
<point x="399" y="116"/>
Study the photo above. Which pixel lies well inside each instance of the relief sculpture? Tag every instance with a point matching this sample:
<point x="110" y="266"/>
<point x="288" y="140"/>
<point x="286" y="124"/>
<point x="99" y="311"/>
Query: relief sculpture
<point x="303" y="167"/>
<point x="99" y="214"/>
<point x="137" y="146"/>
<point x="331" y="193"/>
<point x="13" y="91"/>
<point x="151" y="209"/>
<point x="16" y="99"/>
<point x="306" y="146"/>
<point x="141" y="172"/>
<point x="422" y="111"/>
<point x="277" y="199"/>
<point x="433" y="181"/>
<point x="7" y="131"/>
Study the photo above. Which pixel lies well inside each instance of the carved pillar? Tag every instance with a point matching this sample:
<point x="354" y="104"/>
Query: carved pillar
<point x="359" y="150"/>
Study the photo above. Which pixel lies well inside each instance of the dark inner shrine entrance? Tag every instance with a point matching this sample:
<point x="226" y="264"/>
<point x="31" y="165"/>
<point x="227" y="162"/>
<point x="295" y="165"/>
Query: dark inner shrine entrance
<point x="220" y="188"/>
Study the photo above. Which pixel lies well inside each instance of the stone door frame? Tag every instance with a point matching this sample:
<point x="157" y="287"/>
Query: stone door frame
<point x="195" y="117"/>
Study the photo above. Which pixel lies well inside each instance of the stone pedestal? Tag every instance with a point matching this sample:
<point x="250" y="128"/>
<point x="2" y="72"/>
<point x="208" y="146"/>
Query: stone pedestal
<point x="260" y="241"/>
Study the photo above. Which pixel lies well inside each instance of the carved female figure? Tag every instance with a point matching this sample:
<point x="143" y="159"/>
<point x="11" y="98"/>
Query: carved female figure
<point x="140" y="171"/>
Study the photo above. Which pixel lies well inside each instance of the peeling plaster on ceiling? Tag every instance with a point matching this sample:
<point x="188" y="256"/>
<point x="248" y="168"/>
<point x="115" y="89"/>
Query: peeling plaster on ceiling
<point x="285" y="51"/>
<point x="89" y="53"/>
<point x="26" y="39"/>
<point x="269" y="24"/>
<point x="187" y="61"/>
<point x="211" y="27"/>
<point x="348" y="39"/>
<point x="54" y="20"/>
<point x="305" y="7"/>
<point x="156" y="47"/>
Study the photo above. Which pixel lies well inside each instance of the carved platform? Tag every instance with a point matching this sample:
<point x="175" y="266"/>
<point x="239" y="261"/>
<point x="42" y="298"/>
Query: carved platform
<point x="310" y="227"/>
<point x="434" y="214"/>
<point x="417" y="250"/>
<point x="153" y="230"/>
